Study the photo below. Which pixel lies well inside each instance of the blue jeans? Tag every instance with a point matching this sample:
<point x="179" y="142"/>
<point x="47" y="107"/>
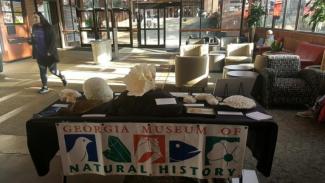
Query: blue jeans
<point x="43" y="72"/>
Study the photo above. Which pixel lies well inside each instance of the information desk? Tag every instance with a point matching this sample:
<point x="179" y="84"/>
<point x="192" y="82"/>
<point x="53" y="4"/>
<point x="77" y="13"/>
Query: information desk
<point x="43" y="144"/>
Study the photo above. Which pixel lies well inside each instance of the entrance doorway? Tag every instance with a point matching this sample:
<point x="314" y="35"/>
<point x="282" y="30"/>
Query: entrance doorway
<point x="97" y="23"/>
<point x="92" y="24"/>
<point x="158" y="25"/>
<point x="121" y="20"/>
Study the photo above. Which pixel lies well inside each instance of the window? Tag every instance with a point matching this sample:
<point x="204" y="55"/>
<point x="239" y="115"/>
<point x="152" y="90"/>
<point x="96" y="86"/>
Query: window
<point x="291" y="14"/>
<point x="211" y="15"/>
<point x="303" y="23"/>
<point x="231" y="14"/>
<point x="12" y="11"/>
<point x="44" y="8"/>
<point x="70" y="22"/>
<point x="320" y="27"/>
<point x="278" y="13"/>
<point x="120" y="4"/>
<point x="246" y="12"/>
<point x="263" y="3"/>
<point x="191" y="19"/>
<point x="269" y="13"/>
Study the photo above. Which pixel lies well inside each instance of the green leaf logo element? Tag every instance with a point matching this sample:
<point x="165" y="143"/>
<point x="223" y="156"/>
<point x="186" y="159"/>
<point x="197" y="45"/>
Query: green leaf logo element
<point x="117" y="151"/>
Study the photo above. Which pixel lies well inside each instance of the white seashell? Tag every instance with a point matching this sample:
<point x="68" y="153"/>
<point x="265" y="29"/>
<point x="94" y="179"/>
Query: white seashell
<point x="211" y="100"/>
<point x="239" y="102"/>
<point x="202" y="96"/>
<point x="69" y="95"/>
<point x="189" y="100"/>
<point x="218" y="98"/>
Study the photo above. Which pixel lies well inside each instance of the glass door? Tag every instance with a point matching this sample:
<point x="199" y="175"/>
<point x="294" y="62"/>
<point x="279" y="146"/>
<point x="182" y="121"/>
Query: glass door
<point x="70" y="23"/>
<point x="172" y="19"/>
<point x="151" y="26"/>
<point x="93" y="21"/>
<point x="121" y="19"/>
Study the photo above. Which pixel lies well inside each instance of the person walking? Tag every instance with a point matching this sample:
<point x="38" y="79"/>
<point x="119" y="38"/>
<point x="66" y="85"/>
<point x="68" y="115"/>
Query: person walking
<point x="44" y="50"/>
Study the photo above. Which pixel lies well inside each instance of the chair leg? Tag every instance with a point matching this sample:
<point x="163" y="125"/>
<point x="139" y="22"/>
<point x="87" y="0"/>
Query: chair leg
<point x="65" y="179"/>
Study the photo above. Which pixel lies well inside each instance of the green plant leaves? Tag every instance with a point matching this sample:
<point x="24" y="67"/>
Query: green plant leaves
<point x="256" y="12"/>
<point x="277" y="45"/>
<point x="316" y="12"/>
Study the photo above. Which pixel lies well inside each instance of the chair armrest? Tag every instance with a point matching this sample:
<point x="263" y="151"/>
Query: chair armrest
<point x="267" y="79"/>
<point x="268" y="74"/>
<point x="313" y="78"/>
<point x="191" y="70"/>
<point x="260" y="63"/>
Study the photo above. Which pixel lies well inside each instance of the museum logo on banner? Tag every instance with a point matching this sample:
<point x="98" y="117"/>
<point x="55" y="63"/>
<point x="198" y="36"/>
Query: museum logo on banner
<point x="158" y="149"/>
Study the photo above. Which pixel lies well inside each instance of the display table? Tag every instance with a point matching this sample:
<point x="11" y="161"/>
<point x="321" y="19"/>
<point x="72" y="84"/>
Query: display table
<point x="43" y="144"/>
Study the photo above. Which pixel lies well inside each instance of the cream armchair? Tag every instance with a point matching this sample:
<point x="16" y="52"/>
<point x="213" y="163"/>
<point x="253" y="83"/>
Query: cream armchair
<point x="195" y="41"/>
<point x="239" y="53"/>
<point x="192" y="66"/>
<point x="224" y="41"/>
<point x="194" y="50"/>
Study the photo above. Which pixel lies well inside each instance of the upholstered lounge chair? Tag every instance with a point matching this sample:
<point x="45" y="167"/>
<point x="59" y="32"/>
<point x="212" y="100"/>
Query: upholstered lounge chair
<point x="239" y="53"/>
<point x="195" y="41"/>
<point x="192" y="66"/>
<point x="283" y="83"/>
<point x="224" y="41"/>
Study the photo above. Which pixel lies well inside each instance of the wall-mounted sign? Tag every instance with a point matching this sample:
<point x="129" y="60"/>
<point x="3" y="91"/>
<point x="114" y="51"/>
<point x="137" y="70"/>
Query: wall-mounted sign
<point x="155" y="149"/>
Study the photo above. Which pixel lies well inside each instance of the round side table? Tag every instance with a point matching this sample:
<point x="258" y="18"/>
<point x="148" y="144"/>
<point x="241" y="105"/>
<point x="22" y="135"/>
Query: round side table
<point x="247" y="74"/>
<point x="240" y="67"/>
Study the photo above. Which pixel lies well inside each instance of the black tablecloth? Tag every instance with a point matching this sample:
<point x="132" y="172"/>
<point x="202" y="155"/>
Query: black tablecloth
<point x="43" y="144"/>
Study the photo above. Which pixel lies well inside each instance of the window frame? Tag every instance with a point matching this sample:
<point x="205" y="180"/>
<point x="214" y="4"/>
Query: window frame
<point x="297" y="18"/>
<point x="12" y="12"/>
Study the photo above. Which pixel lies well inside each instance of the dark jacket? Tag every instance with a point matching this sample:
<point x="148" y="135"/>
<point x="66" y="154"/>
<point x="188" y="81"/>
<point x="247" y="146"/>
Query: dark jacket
<point x="50" y="40"/>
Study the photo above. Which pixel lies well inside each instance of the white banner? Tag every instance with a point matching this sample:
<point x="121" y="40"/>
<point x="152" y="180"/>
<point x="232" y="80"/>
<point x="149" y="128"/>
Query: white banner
<point x="155" y="149"/>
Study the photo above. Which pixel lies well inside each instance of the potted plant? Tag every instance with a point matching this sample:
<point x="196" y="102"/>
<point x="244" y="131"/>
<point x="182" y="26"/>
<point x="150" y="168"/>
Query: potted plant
<point x="254" y="18"/>
<point x="277" y="45"/>
<point x="316" y="12"/>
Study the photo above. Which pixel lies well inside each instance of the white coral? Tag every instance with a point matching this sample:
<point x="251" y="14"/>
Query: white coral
<point x="239" y="102"/>
<point x="97" y="89"/>
<point x="140" y="79"/>
<point x="210" y="99"/>
<point x="69" y="95"/>
<point x="189" y="100"/>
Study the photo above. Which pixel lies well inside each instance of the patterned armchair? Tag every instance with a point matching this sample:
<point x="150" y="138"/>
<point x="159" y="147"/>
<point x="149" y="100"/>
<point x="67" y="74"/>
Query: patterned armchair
<point x="283" y="83"/>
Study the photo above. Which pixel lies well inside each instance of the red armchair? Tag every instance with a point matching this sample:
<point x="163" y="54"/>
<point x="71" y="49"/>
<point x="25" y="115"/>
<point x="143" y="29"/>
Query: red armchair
<point x="310" y="54"/>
